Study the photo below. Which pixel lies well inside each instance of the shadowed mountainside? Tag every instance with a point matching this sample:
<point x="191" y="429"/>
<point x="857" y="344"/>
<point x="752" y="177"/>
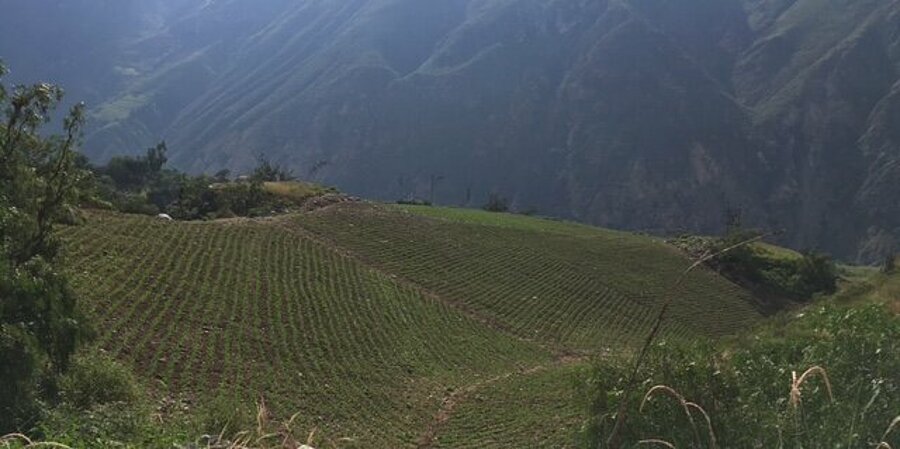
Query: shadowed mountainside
<point x="653" y="115"/>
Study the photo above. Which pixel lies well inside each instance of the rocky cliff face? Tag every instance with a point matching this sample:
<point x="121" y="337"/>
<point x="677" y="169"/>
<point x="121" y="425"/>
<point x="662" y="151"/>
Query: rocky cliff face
<point x="653" y="114"/>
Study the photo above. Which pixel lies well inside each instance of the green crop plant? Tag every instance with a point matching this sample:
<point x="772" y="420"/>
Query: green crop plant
<point x="366" y="320"/>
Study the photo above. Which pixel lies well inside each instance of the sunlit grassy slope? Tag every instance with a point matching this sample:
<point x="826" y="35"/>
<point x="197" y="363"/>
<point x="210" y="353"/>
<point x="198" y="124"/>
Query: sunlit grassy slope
<point x="367" y="318"/>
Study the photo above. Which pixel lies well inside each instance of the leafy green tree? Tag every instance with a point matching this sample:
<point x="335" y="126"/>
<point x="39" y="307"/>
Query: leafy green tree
<point x="137" y="173"/>
<point x="39" y="179"/>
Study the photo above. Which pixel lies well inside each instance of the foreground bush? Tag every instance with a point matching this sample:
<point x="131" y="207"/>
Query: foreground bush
<point x="759" y="391"/>
<point x="40" y="326"/>
<point x="136" y="425"/>
<point x="96" y="379"/>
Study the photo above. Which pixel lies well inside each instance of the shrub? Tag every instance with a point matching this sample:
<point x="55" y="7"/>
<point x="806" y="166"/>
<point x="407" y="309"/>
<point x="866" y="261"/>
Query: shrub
<point x="414" y="202"/>
<point x="135" y="173"/>
<point x="96" y="379"/>
<point x="39" y="179"/>
<point x="496" y="203"/>
<point x="268" y="171"/>
<point x="113" y="425"/>
<point x="798" y="278"/>
<point x="889" y="264"/>
<point x="19" y="361"/>
<point x="746" y="386"/>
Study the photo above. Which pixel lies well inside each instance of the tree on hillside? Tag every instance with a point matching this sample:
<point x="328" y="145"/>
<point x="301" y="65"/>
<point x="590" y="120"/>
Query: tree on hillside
<point x="39" y="178"/>
<point x="137" y="173"/>
<point x="268" y="171"/>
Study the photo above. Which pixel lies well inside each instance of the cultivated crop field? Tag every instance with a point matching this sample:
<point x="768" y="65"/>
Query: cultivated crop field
<point x="381" y="326"/>
<point x="549" y="281"/>
<point x="533" y="409"/>
<point x="246" y="309"/>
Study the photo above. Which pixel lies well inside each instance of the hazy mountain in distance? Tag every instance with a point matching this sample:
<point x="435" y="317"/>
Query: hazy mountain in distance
<point x="642" y="114"/>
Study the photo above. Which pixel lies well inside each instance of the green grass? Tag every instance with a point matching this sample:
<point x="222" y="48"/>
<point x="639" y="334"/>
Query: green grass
<point x="295" y="191"/>
<point x="777" y="252"/>
<point x="365" y="318"/>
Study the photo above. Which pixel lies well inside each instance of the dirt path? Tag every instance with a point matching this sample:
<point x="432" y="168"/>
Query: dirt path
<point x="451" y="400"/>
<point x="563" y="356"/>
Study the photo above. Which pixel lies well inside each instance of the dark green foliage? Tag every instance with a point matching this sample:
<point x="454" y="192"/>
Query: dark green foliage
<point x="200" y="198"/>
<point x="138" y="185"/>
<point x="222" y="175"/>
<point x="496" y="203"/>
<point x="268" y="171"/>
<point x="796" y="279"/>
<point x="144" y="186"/>
<point x="39" y="179"/>
<point x="19" y="360"/>
<point x="414" y="202"/>
<point x="745" y="386"/>
<point x="771" y="276"/>
<point x="39" y="301"/>
<point x="96" y="379"/>
<point x="136" y="173"/>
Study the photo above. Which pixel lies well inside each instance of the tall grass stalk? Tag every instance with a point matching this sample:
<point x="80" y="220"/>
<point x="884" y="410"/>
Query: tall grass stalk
<point x="614" y="440"/>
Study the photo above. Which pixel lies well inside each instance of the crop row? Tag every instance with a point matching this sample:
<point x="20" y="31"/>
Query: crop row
<point x="533" y="410"/>
<point x="583" y="291"/>
<point x="246" y="310"/>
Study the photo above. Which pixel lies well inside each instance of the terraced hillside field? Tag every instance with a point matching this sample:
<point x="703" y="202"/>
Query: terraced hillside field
<point x="246" y="309"/>
<point x="387" y="327"/>
<point x="565" y="285"/>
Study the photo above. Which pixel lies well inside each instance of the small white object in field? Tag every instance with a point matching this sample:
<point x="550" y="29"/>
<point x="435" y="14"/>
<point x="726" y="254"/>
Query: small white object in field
<point x="303" y="446"/>
<point x="166" y="217"/>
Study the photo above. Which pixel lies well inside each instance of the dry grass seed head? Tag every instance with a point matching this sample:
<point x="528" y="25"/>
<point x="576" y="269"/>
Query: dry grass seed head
<point x="658" y="442"/>
<point x="262" y="416"/>
<point x="884" y="444"/>
<point x="797" y="383"/>
<point x="681" y="400"/>
<point x="709" y="427"/>
<point x="7" y="441"/>
<point x="665" y="389"/>
<point x="894" y="423"/>
<point x="673" y="393"/>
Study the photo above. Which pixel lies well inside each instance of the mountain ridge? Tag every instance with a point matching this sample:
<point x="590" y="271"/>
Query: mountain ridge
<point x="650" y="115"/>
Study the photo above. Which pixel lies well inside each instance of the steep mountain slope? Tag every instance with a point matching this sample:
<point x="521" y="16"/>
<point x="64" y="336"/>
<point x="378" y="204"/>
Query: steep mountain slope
<point x="375" y="333"/>
<point x="653" y="115"/>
